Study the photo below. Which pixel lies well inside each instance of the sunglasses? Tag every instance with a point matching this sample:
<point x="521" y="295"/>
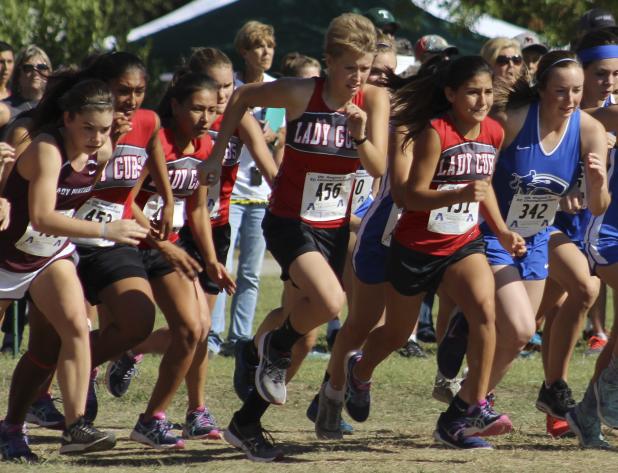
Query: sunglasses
<point x="41" y="67"/>
<point x="504" y="60"/>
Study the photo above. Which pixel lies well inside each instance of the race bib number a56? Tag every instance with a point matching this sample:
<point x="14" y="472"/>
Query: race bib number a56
<point x="455" y="219"/>
<point x="529" y="214"/>
<point x="41" y="244"/>
<point x="326" y="196"/>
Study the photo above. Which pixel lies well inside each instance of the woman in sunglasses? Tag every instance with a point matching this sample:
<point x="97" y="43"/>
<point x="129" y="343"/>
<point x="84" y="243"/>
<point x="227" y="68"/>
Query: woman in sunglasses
<point x="504" y="56"/>
<point x="32" y="68"/>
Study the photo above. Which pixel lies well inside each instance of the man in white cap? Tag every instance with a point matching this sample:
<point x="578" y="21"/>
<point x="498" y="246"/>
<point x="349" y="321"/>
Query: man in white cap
<point x="531" y="49"/>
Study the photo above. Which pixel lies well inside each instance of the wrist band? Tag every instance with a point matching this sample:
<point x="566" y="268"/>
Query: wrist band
<point x="103" y="229"/>
<point x="359" y="142"/>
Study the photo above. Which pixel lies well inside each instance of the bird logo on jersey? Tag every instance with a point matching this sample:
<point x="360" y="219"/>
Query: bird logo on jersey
<point x="538" y="183"/>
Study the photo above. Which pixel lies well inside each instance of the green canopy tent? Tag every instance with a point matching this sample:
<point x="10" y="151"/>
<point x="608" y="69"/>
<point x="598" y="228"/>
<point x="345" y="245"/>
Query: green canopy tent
<point x="299" y="26"/>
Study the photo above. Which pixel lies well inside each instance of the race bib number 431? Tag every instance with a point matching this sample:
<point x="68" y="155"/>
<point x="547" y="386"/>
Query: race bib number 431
<point x="455" y="219"/>
<point x="529" y="214"/>
<point x="326" y="196"/>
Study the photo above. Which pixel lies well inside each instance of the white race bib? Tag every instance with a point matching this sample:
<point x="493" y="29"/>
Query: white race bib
<point x="98" y="210"/>
<point x="393" y="218"/>
<point x="455" y="219"/>
<point x="40" y="244"/>
<point x="326" y="196"/>
<point x="214" y="201"/>
<point x="362" y="188"/>
<point x="154" y="206"/>
<point x="529" y="213"/>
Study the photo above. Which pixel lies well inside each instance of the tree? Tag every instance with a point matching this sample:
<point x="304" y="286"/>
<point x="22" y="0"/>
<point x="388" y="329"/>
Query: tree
<point x="555" y="20"/>
<point x="68" y="30"/>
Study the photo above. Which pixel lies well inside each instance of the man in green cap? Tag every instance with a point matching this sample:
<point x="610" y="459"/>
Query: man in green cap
<point x="383" y="20"/>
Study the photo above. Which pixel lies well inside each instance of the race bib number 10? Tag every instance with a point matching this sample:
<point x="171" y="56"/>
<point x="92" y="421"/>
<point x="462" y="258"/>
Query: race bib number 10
<point x="529" y="214"/>
<point x="326" y="196"/>
<point x="455" y="219"/>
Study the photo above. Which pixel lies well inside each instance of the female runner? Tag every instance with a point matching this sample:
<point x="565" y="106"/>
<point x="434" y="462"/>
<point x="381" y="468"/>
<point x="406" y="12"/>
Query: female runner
<point x="50" y="180"/>
<point x="332" y="123"/>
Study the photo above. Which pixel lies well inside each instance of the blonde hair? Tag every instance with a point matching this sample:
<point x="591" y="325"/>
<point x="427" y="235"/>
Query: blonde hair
<point x="293" y="63"/>
<point x="350" y="33"/>
<point x="491" y="49"/>
<point x="384" y="43"/>
<point x="202" y="59"/>
<point x="252" y="34"/>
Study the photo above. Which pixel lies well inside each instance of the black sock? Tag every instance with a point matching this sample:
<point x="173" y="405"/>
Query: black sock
<point x="457" y="407"/>
<point x="326" y="377"/>
<point x="284" y="338"/>
<point x="252" y="410"/>
<point x="251" y="354"/>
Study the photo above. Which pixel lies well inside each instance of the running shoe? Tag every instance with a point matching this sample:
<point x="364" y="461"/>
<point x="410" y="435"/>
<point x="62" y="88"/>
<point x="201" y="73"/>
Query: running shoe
<point x="227" y="349"/>
<point x="200" y="424"/>
<point x="270" y="373"/>
<point x="328" y="422"/>
<point x="412" y="350"/>
<point x="557" y="428"/>
<point x="156" y="433"/>
<point x="535" y="343"/>
<point x="14" y="443"/>
<point x="606" y="392"/>
<point x="445" y="389"/>
<point x="253" y="440"/>
<point x="43" y="412"/>
<point x="595" y="345"/>
<point x="83" y="437"/>
<point x="452" y="348"/>
<point x="120" y="373"/>
<point x="92" y="403"/>
<point x="484" y="421"/>
<point x="244" y="371"/>
<point x="312" y="415"/>
<point x="555" y="400"/>
<point x="357" y="394"/>
<point x="452" y="434"/>
<point x="587" y="429"/>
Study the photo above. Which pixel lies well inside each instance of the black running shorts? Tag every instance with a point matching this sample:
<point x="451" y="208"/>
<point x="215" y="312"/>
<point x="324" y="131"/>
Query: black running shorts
<point x="412" y="272"/>
<point x="221" y="239"/>
<point x="288" y="238"/>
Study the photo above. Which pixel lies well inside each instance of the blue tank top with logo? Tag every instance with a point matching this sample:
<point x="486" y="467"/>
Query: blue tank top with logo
<point x="528" y="180"/>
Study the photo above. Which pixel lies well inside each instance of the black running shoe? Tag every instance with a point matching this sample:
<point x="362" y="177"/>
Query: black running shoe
<point x="244" y="370"/>
<point x="252" y="439"/>
<point x="452" y="349"/>
<point x="82" y="437"/>
<point x="555" y="400"/>
<point x="412" y="350"/>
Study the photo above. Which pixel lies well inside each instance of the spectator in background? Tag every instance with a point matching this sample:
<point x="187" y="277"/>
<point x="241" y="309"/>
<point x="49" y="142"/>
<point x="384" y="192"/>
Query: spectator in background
<point x="255" y="42"/>
<point x="298" y="65"/>
<point x="7" y="62"/>
<point x="432" y="45"/>
<point x="504" y="56"/>
<point x="383" y="20"/>
<point x="32" y="68"/>
<point x="531" y="49"/>
<point x="595" y="19"/>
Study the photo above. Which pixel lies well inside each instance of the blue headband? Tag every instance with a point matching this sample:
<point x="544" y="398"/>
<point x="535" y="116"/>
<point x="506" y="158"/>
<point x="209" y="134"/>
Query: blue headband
<point x="598" y="53"/>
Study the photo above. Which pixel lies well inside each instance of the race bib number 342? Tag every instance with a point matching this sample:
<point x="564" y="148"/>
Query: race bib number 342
<point x="529" y="214"/>
<point x="326" y="196"/>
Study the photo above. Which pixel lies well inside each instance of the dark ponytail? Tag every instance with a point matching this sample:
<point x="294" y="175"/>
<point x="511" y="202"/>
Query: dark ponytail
<point x="111" y="66"/>
<point x="70" y="91"/>
<point x="420" y="98"/>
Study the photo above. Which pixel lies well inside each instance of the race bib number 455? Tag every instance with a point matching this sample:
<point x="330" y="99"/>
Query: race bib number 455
<point x="326" y="196"/>
<point x="455" y="219"/>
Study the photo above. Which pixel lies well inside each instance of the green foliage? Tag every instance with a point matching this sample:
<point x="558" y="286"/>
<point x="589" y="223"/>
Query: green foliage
<point x="555" y="20"/>
<point x="68" y="30"/>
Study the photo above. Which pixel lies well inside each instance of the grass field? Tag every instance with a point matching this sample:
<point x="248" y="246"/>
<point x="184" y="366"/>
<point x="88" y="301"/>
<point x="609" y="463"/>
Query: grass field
<point x="397" y="437"/>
